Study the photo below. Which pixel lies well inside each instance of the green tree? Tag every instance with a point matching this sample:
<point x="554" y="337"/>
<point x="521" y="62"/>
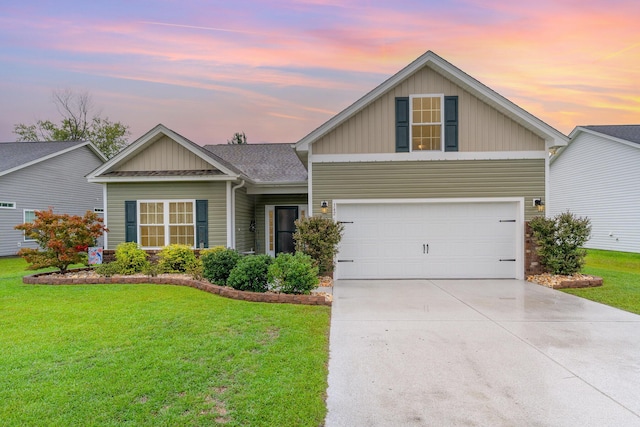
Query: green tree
<point x="63" y="239"/>
<point x="77" y="124"/>
<point x="318" y="237"/>
<point x="238" y="138"/>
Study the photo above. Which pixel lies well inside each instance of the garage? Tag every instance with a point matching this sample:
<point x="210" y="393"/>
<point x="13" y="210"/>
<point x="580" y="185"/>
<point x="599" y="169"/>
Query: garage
<point x="395" y="239"/>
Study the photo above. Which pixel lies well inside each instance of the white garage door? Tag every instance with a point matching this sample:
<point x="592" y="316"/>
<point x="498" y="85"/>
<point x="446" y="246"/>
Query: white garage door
<point x="428" y="240"/>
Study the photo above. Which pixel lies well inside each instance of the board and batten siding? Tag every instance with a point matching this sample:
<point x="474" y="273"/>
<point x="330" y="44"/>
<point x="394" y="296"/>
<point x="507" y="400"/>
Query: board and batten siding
<point x="598" y="178"/>
<point x="481" y="127"/>
<point x="164" y="155"/>
<point x="427" y="180"/>
<point x="275" y="200"/>
<point x="215" y="192"/>
<point x="245" y="213"/>
<point x="58" y="182"/>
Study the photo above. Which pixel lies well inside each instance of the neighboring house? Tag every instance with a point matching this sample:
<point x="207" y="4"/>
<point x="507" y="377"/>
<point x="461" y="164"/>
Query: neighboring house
<point x="432" y="173"/>
<point x="38" y="175"/>
<point x="597" y="176"/>
<point x="165" y="189"/>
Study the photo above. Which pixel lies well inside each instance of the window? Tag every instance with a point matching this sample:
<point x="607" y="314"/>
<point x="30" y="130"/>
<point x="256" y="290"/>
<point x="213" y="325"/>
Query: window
<point x="7" y="205"/>
<point x="167" y="222"/>
<point x="426" y="122"/>
<point x="29" y="215"/>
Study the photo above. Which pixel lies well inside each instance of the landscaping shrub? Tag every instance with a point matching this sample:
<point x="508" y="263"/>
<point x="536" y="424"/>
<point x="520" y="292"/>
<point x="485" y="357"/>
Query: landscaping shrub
<point x="318" y="237"/>
<point x="217" y="265"/>
<point x="560" y="240"/>
<point x="130" y="258"/>
<point x="251" y="273"/>
<point x="109" y="269"/>
<point x="176" y="258"/>
<point x="63" y="239"/>
<point x="293" y="274"/>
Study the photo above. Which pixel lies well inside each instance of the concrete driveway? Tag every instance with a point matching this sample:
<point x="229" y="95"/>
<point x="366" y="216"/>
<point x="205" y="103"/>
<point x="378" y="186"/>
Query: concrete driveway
<point x="479" y="353"/>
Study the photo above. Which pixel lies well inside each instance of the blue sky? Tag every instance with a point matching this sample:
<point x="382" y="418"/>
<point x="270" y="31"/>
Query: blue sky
<point x="278" y="69"/>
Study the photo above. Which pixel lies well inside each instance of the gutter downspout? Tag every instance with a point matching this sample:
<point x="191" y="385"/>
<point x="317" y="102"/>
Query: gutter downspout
<point x="233" y="213"/>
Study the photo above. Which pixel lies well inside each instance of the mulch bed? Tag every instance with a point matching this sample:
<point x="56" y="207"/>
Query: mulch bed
<point x="557" y="281"/>
<point x="88" y="276"/>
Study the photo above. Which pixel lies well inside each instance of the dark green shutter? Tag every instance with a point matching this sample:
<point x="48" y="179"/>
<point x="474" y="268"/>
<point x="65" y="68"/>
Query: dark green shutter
<point x="202" y="223"/>
<point x="402" y="125"/>
<point x="130" y="221"/>
<point x="450" y="123"/>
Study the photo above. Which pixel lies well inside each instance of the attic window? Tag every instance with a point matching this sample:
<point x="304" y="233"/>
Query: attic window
<point x="426" y="122"/>
<point x="7" y="205"/>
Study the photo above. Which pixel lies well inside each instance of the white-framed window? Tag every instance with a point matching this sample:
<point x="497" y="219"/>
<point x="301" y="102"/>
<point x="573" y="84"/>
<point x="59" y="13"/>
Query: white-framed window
<point x="164" y="222"/>
<point x="427" y="127"/>
<point x="28" y="215"/>
<point x="7" y="205"/>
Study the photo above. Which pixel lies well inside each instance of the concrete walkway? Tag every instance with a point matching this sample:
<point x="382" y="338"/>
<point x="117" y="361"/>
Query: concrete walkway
<point x="479" y="353"/>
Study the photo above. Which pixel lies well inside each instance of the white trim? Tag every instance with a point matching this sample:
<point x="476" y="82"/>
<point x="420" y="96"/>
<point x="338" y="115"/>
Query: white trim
<point x="12" y="205"/>
<point x="102" y="179"/>
<point x="24" y="220"/>
<point x="426" y="155"/>
<point x="229" y="216"/>
<point x="166" y="217"/>
<point x="105" y="234"/>
<point x="441" y="123"/>
<point x="449" y="71"/>
<point x="310" y="181"/>
<point x="519" y="224"/>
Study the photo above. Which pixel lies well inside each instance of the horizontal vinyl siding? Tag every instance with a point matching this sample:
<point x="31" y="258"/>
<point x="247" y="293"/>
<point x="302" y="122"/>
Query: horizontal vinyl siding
<point x="437" y="179"/>
<point x="245" y="211"/>
<point x="165" y="154"/>
<point x="58" y="182"/>
<point x="481" y="127"/>
<point x="599" y="178"/>
<point x="276" y="200"/>
<point x="215" y="192"/>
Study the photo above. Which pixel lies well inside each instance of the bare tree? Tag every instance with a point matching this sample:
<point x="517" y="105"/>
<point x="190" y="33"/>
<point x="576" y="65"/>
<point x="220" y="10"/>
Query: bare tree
<point x="77" y="124"/>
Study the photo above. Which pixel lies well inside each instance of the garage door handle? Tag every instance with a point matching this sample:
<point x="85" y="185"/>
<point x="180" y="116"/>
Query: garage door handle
<point x="507" y="259"/>
<point x="425" y="249"/>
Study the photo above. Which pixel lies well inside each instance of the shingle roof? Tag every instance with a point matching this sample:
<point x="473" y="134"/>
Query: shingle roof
<point x="627" y="132"/>
<point x="15" y="154"/>
<point x="263" y="163"/>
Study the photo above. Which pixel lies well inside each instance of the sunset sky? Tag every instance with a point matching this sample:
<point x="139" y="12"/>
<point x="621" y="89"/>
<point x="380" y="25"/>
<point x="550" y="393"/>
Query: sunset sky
<point x="278" y="69"/>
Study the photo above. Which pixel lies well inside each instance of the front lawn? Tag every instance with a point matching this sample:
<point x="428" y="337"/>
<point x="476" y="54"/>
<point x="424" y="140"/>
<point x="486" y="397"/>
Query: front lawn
<point x="621" y="274"/>
<point x="114" y="355"/>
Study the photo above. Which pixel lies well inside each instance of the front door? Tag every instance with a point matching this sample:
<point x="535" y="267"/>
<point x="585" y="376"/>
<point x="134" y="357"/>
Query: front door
<point x="284" y="228"/>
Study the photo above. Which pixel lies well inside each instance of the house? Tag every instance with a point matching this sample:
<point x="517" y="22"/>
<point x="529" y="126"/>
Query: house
<point x="38" y="175"/>
<point x="164" y="188"/>
<point x="432" y="173"/>
<point x="597" y="176"/>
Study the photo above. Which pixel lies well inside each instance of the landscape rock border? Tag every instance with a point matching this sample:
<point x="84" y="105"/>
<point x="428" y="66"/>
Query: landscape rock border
<point x="55" y="278"/>
<point x="563" y="282"/>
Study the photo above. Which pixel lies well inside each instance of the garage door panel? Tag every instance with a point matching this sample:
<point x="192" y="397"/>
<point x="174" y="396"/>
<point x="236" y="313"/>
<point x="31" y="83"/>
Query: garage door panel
<point x="429" y="240"/>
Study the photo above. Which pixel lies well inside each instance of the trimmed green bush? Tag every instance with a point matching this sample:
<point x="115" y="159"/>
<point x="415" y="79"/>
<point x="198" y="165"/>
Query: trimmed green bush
<point x="251" y="273"/>
<point x="293" y="274"/>
<point x="130" y="258"/>
<point x="217" y="265"/>
<point x="560" y="240"/>
<point x="108" y="269"/>
<point x="318" y="237"/>
<point x="176" y="258"/>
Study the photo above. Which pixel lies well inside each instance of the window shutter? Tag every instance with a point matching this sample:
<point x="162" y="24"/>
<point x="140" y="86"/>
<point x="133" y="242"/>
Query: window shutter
<point x="450" y="123"/>
<point x="202" y="223"/>
<point x="402" y="125"/>
<point x="130" y="221"/>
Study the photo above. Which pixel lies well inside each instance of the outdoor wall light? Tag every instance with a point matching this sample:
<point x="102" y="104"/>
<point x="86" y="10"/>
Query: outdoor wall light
<point x="539" y="204"/>
<point x="324" y="206"/>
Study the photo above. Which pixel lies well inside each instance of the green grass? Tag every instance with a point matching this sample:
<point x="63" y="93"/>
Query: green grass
<point x="151" y="355"/>
<point x="621" y="279"/>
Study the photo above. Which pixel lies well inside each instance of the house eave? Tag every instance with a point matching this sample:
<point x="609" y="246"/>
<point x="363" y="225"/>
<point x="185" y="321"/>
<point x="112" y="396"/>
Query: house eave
<point x="278" y="188"/>
<point x="119" y="179"/>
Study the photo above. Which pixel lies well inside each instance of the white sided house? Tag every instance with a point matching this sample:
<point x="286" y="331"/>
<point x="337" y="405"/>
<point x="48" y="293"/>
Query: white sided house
<point x="597" y="175"/>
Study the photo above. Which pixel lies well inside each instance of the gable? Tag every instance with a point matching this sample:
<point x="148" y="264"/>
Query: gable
<point x="165" y="154"/>
<point x="481" y="126"/>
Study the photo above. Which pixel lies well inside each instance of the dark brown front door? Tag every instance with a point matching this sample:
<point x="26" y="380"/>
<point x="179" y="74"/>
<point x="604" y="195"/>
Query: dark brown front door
<point x="285" y="227"/>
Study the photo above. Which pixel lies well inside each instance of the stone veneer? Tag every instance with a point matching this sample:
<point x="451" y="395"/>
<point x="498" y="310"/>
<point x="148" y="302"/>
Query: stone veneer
<point x="223" y="291"/>
<point x="532" y="264"/>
